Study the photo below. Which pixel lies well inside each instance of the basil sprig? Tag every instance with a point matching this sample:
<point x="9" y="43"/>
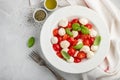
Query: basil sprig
<point x="65" y="55"/>
<point x="76" y="26"/>
<point x="84" y="30"/>
<point x="97" y="40"/>
<point x="79" y="46"/>
<point x="69" y="32"/>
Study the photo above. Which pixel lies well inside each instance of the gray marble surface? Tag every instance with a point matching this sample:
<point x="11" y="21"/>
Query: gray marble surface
<point x="16" y="26"/>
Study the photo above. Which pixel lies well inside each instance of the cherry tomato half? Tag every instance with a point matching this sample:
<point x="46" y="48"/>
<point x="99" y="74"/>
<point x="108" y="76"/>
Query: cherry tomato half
<point x="65" y="37"/>
<point x="59" y="39"/>
<point x="69" y="25"/>
<point x="86" y="42"/>
<point x="56" y="47"/>
<point x="81" y="55"/>
<point x="89" y="26"/>
<point x="59" y="54"/>
<point x="77" y="60"/>
<point x="76" y="20"/>
<point x="91" y="40"/>
<point x="85" y="36"/>
<point x="71" y="40"/>
<point x="55" y="32"/>
<point x="71" y="51"/>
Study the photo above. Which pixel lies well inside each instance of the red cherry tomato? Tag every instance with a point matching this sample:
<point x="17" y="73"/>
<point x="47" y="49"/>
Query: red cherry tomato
<point x="69" y="25"/>
<point x="65" y="37"/>
<point x="79" y="36"/>
<point x="89" y="26"/>
<point x="74" y="42"/>
<point x="86" y="42"/>
<point x="55" y="32"/>
<point x="91" y="40"/>
<point x="59" y="54"/>
<point x="71" y="40"/>
<point x="59" y="39"/>
<point x="81" y="55"/>
<point x="75" y="20"/>
<point x="56" y="47"/>
<point x="77" y="60"/>
<point x="71" y="51"/>
<point x="85" y="36"/>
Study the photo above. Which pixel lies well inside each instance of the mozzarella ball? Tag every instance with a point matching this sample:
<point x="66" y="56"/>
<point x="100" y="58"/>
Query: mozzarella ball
<point x="65" y="49"/>
<point x="75" y="33"/>
<point x="54" y="40"/>
<point x="64" y="44"/>
<point x="83" y="21"/>
<point x="70" y="60"/>
<point x="79" y="41"/>
<point x="63" y="22"/>
<point x="76" y="53"/>
<point x="94" y="48"/>
<point x="93" y="33"/>
<point x="61" y="31"/>
<point x="90" y="54"/>
<point x="85" y="49"/>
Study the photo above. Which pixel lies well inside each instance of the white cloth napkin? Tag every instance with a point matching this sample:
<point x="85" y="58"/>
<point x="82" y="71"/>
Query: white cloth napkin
<point x="110" y="68"/>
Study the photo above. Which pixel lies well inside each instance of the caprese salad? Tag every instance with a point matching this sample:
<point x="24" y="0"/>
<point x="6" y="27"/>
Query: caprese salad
<point x="75" y="40"/>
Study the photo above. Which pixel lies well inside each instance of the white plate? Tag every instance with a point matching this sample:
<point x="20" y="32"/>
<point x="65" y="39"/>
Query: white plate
<point x="52" y="22"/>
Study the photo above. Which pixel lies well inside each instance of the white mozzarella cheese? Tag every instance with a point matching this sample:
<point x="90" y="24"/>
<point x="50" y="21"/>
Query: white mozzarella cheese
<point x="54" y="40"/>
<point x="64" y="44"/>
<point x="65" y="49"/>
<point x="75" y="33"/>
<point x="90" y="54"/>
<point x="94" y="48"/>
<point x="83" y="21"/>
<point x="79" y="41"/>
<point x="85" y="49"/>
<point x="76" y="53"/>
<point x="63" y="22"/>
<point x="61" y="31"/>
<point x="93" y="33"/>
<point x="70" y="60"/>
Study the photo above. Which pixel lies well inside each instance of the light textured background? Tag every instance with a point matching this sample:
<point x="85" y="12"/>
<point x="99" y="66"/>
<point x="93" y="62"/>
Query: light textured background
<point x="16" y="26"/>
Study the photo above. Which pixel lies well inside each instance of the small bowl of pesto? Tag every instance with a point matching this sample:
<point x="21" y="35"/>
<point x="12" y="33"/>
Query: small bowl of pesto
<point x="50" y="5"/>
<point x="39" y="15"/>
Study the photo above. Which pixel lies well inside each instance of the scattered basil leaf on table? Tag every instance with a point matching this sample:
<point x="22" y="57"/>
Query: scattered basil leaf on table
<point x="31" y="42"/>
<point x="65" y="55"/>
<point x="97" y="40"/>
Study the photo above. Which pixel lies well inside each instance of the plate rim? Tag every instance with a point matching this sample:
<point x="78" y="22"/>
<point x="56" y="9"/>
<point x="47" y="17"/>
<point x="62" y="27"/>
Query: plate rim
<point x="108" y="43"/>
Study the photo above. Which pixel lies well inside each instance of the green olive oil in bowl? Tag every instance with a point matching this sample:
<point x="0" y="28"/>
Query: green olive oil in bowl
<point x="50" y="5"/>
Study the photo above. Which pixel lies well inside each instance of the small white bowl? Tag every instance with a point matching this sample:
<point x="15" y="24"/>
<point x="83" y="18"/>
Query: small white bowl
<point x="48" y="8"/>
<point x="38" y="10"/>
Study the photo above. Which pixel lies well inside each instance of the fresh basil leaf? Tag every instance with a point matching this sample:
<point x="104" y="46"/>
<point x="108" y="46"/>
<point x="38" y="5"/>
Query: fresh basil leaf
<point x="31" y="42"/>
<point x="79" y="46"/>
<point x="65" y="55"/>
<point x="84" y="30"/>
<point x="69" y="32"/>
<point x="76" y="27"/>
<point x="97" y="40"/>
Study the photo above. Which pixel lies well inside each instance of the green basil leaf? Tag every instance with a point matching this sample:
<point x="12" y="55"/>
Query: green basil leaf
<point x="76" y="27"/>
<point x="31" y="42"/>
<point x="69" y="32"/>
<point x="84" y="30"/>
<point x="97" y="40"/>
<point x="65" y="55"/>
<point x="79" y="46"/>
